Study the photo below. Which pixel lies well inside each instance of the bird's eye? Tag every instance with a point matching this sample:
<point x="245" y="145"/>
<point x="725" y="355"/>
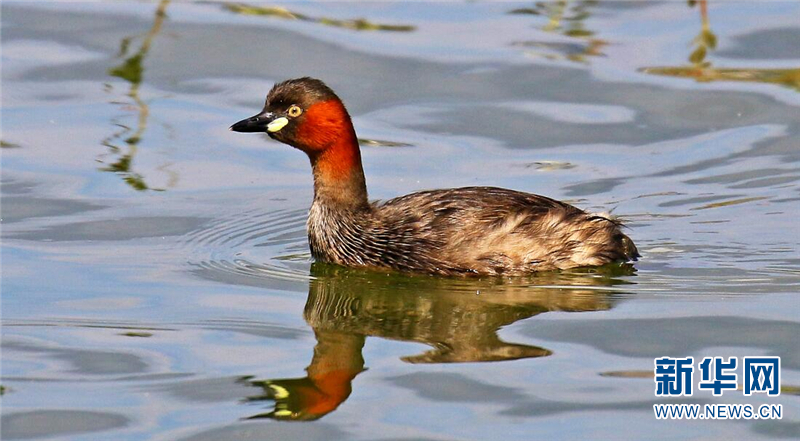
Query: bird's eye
<point x="295" y="111"/>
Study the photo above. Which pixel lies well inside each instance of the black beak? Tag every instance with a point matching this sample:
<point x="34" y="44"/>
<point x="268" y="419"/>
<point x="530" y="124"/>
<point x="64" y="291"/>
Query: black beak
<point x="257" y="123"/>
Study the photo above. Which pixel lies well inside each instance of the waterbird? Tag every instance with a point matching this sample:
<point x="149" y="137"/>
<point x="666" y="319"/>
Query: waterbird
<point x="450" y="232"/>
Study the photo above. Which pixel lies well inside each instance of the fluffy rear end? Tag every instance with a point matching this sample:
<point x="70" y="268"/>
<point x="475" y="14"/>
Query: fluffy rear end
<point x="602" y="242"/>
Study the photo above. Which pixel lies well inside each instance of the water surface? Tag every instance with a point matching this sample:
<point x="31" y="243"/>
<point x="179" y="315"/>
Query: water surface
<point x="156" y="280"/>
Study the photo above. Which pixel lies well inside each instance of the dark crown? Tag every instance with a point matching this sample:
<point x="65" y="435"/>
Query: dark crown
<point x="304" y="90"/>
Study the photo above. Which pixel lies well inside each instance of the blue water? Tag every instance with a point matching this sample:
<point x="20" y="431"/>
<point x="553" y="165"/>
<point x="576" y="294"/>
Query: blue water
<point x="155" y="270"/>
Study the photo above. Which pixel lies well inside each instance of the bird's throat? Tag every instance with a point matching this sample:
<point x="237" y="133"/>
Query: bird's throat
<point x="338" y="174"/>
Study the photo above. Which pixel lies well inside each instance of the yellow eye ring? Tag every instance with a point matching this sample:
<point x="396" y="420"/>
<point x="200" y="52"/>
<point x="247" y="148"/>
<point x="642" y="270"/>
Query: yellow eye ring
<point x="295" y="111"/>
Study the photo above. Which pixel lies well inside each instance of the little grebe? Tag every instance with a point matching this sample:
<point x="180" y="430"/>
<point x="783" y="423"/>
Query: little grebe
<point x="460" y="231"/>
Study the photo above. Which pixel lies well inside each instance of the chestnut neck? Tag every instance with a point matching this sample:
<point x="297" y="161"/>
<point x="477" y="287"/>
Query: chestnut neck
<point x="338" y="174"/>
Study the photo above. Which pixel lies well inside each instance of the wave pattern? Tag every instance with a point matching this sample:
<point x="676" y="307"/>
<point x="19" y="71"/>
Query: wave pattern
<point x="253" y="244"/>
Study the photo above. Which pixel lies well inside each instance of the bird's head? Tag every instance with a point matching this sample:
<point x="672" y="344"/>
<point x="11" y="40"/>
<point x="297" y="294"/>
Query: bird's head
<point x="304" y="113"/>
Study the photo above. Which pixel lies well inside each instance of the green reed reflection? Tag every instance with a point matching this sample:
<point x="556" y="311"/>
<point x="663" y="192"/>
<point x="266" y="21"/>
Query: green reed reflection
<point x="702" y="70"/>
<point x="458" y="319"/>
<point x="132" y="71"/>
<point x="567" y="18"/>
<point x="705" y="40"/>
<point x="8" y="145"/>
<point x="358" y="24"/>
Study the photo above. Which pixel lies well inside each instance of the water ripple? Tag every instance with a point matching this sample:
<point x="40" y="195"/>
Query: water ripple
<point x="256" y="243"/>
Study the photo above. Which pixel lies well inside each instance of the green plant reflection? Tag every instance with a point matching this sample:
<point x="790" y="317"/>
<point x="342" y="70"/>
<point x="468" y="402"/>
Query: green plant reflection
<point x="567" y="18"/>
<point x="132" y="71"/>
<point x="8" y="145"/>
<point x="702" y="70"/>
<point x="358" y="24"/>
<point x="458" y="319"/>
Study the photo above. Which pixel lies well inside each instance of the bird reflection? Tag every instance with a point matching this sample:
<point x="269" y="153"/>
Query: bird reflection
<point x="458" y="318"/>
